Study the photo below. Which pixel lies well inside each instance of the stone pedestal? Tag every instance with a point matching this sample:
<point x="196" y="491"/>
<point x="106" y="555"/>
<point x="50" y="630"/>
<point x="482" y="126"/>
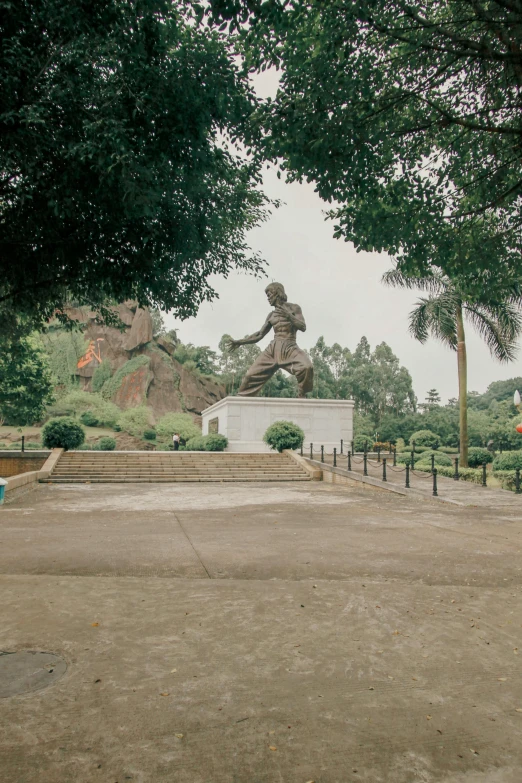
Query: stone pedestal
<point x="244" y="421"/>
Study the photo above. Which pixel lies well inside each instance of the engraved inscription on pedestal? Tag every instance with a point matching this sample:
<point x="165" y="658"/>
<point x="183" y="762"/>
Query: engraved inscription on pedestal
<point x="213" y="426"/>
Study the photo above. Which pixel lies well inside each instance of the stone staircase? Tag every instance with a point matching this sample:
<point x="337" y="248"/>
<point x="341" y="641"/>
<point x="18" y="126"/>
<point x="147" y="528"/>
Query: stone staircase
<point x="146" y="466"/>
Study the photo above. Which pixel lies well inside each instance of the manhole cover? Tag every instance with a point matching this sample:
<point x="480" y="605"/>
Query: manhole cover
<point x="28" y="670"/>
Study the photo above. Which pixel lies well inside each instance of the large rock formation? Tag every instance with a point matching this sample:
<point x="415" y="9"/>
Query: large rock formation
<point x="138" y="368"/>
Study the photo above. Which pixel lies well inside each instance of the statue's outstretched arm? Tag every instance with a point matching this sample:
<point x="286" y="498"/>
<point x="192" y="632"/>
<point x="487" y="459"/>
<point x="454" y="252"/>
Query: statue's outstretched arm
<point x="252" y="338"/>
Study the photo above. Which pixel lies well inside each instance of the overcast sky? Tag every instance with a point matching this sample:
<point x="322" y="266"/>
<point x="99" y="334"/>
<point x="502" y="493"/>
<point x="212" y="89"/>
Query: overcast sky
<point x="339" y="291"/>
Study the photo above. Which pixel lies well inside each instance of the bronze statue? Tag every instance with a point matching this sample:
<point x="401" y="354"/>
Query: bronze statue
<point x="283" y="352"/>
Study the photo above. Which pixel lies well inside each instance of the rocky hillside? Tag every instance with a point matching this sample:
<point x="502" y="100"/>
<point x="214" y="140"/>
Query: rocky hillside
<point x="130" y="367"/>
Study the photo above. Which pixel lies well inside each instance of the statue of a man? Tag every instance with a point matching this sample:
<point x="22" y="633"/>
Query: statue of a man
<point x="283" y="352"/>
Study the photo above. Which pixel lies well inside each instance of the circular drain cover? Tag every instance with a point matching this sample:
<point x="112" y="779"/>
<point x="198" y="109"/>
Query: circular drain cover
<point x="25" y="671"/>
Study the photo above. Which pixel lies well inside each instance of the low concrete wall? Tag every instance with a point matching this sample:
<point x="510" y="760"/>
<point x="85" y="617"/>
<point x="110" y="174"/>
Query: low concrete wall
<point x="24" y="482"/>
<point x="14" y="462"/>
<point x="314" y="473"/>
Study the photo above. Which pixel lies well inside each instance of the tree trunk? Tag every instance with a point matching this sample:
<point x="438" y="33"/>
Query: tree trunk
<point x="463" y="389"/>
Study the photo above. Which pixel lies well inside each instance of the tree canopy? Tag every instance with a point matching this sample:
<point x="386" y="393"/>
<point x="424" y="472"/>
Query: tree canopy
<point x="121" y="173"/>
<point x="407" y="116"/>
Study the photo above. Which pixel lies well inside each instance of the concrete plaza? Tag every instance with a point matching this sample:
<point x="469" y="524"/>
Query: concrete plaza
<point x="262" y="633"/>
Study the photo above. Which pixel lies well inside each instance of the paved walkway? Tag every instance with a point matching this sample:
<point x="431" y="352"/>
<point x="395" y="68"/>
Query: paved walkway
<point x="261" y="633"/>
<point x="463" y="492"/>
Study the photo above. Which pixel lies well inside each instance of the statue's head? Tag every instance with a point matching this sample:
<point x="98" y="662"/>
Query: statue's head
<point x="275" y="292"/>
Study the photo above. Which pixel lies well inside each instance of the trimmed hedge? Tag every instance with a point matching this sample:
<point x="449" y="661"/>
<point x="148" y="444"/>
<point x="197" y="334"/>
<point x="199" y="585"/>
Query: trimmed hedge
<point x="506" y="478"/>
<point x="63" y="433"/>
<point x="149" y="435"/>
<point x="283" y="435"/>
<point x="477" y="456"/>
<point x="466" y="474"/>
<point x="195" y="444"/>
<point x="440" y="459"/>
<point x="510" y="460"/>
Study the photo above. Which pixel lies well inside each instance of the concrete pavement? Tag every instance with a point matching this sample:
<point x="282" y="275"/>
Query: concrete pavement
<point x="256" y="633"/>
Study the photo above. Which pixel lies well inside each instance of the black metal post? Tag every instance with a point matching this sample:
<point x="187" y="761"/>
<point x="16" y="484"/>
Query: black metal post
<point x="384" y="469"/>
<point x="365" y="465"/>
<point x="322" y="453"/>
<point x="456" y="474"/>
<point x="407" y="476"/>
<point x="432" y="462"/>
<point x="301" y="448"/>
<point x="335" y="458"/>
<point x="341" y="446"/>
<point x="349" y="459"/>
<point x="435" y="482"/>
<point x="378" y="453"/>
<point x="394" y="457"/>
<point x="353" y="450"/>
<point x="517" y="481"/>
<point x="23" y="442"/>
<point x="413" y="459"/>
<point x="311" y="450"/>
<point x="484" y="475"/>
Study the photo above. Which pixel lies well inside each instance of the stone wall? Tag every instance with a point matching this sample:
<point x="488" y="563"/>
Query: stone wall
<point x="12" y="463"/>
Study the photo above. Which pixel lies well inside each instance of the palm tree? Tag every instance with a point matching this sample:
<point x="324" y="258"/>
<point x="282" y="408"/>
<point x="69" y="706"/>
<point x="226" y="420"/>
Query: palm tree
<point x="442" y="313"/>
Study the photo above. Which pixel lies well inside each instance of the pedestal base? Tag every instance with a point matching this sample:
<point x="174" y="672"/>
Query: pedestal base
<point x="244" y="421"/>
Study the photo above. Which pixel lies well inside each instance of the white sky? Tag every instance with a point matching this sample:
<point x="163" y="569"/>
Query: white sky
<point x="339" y="291"/>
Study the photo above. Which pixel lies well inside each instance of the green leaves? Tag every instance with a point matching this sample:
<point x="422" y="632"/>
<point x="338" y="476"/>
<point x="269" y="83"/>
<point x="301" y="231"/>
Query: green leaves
<point x="120" y="177"/>
<point x="406" y="115"/>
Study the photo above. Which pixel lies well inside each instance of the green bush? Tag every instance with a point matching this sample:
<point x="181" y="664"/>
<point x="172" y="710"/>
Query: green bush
<point x="440" y="459"/>
<point x="135" y="420"/>
<point x="424" y="466"/>
<point x="196" y="444"/>
<point x="76" y="402"/>
<point x="85" y="447"/>
<point x="510" y="460"/>
<point x="106" y="444"/>
<point x="362" y="442"/>
<point x="33" y="445"/>
<point x="404" y="458"/>
<point x="181" y="423"/>
<point x="89" y="419"/>
<point x="149" y="435"/>
<point x="477" y="456"/>
<point x="449" y="449"/>
<point x="64" y="433"/>
<point x="283" y="435"/>
<point x="215" y="442"/>
<point x="425" y="438"/>
<point x="101" y="375"/>
<point x="507" y="478"/>
<point x="466" y="474"/>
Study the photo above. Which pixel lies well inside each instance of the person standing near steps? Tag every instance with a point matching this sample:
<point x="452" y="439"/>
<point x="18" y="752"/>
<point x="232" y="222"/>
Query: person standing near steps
<point x="175" y="441"/>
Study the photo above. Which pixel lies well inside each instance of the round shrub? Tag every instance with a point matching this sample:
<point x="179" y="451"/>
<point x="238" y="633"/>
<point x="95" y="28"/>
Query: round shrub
<point x="215" y="442"/>
<point x="425" y="438"/>
<point x="440" y="459"/>
<point x="149" y="435"/>
<point x="63" y="433"/>
<point x="89" y="419"/>
<point x="404" y="458"/>
<point x="283" y="435"/>
<point x="196" y="444"/>
<point x="510" y="460"/>
<point x="106" y="444"/>
<point x="477" y="456"/>
<point x="362" y="442"/>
